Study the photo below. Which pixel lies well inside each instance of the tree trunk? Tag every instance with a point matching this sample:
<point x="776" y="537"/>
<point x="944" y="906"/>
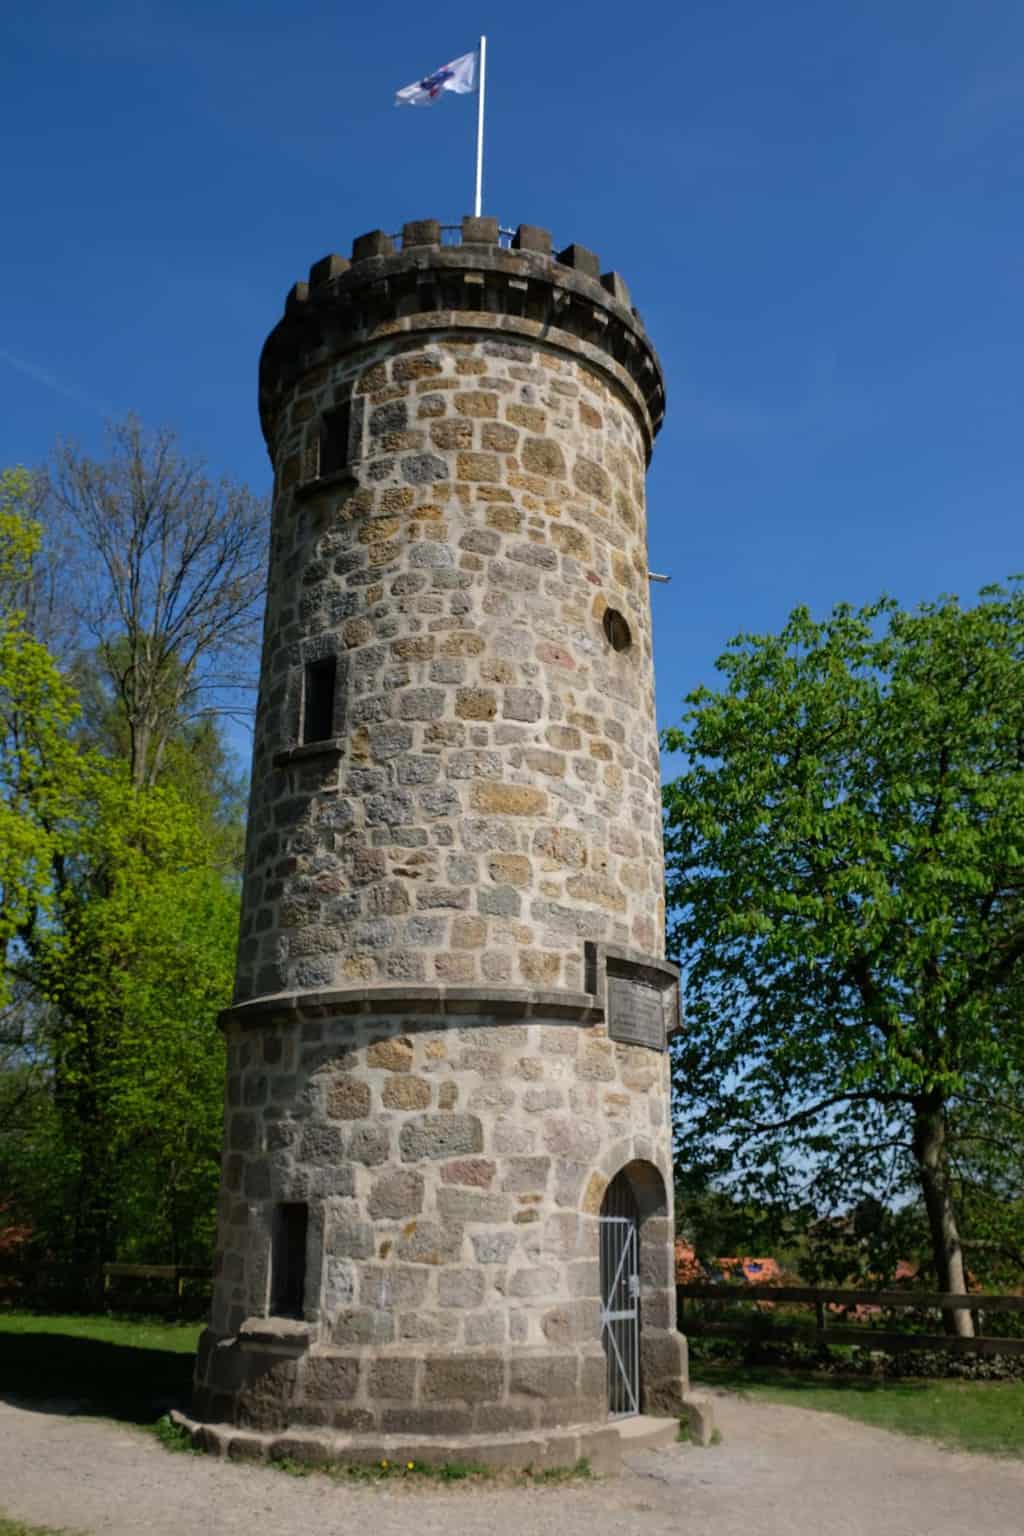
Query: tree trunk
<point x="929" y="1143"/>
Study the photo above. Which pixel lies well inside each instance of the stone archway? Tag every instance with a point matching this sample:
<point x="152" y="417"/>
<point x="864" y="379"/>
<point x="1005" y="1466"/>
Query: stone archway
<point x="635" y="1197"/>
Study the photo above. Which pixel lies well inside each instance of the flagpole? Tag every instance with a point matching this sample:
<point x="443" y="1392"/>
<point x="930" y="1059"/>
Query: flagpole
<point x="480" y="127"/>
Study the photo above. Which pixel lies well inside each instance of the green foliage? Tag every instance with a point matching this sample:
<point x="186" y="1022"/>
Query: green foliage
<point x="39" y="768"/>
<point x="193" y="759"/>
<point x="118" y="920"/>
<point x="845" y="854"/>
<point x="719" y="1224"/>
<point x="173" y="1437"/>
<point x="135" y="971"/>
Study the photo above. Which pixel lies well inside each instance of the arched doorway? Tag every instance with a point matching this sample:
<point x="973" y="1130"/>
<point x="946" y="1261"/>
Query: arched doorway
<point x="619" y="1228"/>
<point x="636" y="1193"/>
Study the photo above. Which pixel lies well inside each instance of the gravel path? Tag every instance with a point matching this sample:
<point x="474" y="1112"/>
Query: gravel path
<point x="779" y="1471"/>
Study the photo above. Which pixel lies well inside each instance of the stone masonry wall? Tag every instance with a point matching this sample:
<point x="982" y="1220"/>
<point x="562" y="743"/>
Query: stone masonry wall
<point x="454" y="1172"/>
<point x="494" y="797"/>
<point x="419" y="1050"/>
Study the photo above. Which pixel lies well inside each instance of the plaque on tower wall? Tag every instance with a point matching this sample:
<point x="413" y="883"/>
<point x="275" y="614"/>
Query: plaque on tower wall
<point x="641" y="995"/>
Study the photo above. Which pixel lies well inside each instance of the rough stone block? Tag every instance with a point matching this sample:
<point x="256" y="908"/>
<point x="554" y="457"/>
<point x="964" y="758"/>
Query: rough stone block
<point x="296" y="300"/>
<point x="529" y="238"/>
<point x="430" y="1242"/>
<point x="507" y="799"/>
<point x="246" y="1448"/>
<point x="396" y="1195"/>
<point x="472" y="1205"/>
<point x="376" y="243"/>
<point x="479" y="231"/>
<point x="466" y="1378"/>
<point x="545" y="1375"/>
<point x="382" y="1286"/>
<point x="322" y="1144"/>
<point x="460" y="1287"/>
<point x="395" y="1054"/>
<point x="331" y="1378"/>
<point x="369" y="1144"/>
<point x="347" y="1098"/>
<point x="405" y="1093"/>
<point x="440" y="1136"/>
<point x="349" y="1238"/>
<point x="421" y="232"/>
<point x="427" y="1421"/>
<point x="493" y="1247"/>
<point x="615" y="284"/>
<point x="541" y="456"/>
<point x="392" y="1378"/>
<point x="476" y="1171"/>
<point x="363" y="1325"/>
<point x="582" y="260"/>
<point x="539" y="1280"/>
<point x="326" y="268"/>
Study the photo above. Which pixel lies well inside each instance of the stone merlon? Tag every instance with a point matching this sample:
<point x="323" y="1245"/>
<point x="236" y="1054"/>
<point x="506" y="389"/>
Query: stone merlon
<point x="472" y="283"/>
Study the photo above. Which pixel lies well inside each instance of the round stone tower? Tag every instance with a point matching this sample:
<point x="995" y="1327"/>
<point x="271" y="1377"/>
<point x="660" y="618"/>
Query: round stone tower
<point x="448" y="1087"/>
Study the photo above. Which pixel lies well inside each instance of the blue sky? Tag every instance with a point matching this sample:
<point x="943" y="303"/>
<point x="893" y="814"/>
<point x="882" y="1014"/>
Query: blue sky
<point x="818" y="209"/>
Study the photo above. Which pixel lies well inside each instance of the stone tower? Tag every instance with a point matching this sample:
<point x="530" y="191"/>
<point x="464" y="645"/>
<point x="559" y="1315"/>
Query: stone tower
<point x="447" y="1050"/>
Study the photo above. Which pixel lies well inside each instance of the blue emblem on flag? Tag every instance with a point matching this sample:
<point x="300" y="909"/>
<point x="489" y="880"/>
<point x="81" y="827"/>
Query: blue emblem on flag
<point x="434" y="84"/>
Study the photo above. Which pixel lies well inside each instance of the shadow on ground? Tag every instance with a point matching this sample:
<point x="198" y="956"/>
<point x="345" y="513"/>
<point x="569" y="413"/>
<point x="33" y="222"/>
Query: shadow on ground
<point x="59" y="1373"/>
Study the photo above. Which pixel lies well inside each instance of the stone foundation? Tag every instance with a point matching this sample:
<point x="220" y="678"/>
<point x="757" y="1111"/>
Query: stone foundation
<point x="453" y="1170"/>
<point x="601" y="1446"/>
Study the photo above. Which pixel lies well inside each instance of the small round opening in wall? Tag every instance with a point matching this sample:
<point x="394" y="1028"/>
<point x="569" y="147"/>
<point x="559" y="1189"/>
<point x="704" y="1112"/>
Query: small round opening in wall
<point x="617" y="631"/>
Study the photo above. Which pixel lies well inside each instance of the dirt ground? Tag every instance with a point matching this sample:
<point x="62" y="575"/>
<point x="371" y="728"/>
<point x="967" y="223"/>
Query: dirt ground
<point x="779" y="1471"/>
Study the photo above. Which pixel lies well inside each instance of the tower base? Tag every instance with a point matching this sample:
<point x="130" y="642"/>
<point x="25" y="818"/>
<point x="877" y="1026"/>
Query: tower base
<point x="600" y="1445"/>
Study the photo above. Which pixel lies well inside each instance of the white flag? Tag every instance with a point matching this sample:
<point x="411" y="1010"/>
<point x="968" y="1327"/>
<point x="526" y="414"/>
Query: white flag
<point x="458" y="76"/>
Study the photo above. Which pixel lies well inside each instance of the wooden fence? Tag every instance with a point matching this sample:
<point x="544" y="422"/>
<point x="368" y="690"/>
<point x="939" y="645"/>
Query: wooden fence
<point x="174" y="1290"/>
<point x="866" y="1334"/>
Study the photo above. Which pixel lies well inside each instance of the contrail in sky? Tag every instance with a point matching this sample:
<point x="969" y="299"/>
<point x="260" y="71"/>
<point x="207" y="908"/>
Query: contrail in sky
<point x="50" y="381"/>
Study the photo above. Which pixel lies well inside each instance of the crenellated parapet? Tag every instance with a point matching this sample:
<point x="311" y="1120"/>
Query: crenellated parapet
<point x="470" y="277"/>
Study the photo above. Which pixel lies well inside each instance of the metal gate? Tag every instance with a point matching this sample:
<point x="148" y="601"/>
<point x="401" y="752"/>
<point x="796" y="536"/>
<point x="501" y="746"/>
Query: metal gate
<point x="620" y="1298"/>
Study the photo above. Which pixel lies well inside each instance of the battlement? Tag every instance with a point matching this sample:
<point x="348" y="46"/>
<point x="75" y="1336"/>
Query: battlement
<point x="474" y="275"/>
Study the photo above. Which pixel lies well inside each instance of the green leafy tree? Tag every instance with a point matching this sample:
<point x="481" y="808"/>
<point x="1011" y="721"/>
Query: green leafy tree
<point x="194" y="761"/>
<point x="118" y="918"/>
<point x="135" y="967"/>
<point x="845" y="854"/>
<point x="40" y="769"/>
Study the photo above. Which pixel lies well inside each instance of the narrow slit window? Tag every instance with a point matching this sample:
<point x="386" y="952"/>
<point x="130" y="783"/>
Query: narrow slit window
<point x="334" y="432"/>
<point x="318" y="699"/>
<point x="288" y="1261"/>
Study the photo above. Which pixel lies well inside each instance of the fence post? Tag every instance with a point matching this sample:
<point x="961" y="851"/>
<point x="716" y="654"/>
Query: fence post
<point x="819" y="1308"/>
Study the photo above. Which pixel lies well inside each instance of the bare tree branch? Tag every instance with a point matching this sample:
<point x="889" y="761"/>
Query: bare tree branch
<point x="172" y="570"/>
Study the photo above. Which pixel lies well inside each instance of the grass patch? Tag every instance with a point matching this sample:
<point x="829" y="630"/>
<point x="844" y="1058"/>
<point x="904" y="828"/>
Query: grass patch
<point x="19" y="1528"/>
<point x="383" y="1471"/>
<point x="447" y="1472"/>
<point x="172" y="1437"/>
<point x="132" y="1369"/>
<point x="985" y="1416"/>
<point x="561" y="1474"/>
